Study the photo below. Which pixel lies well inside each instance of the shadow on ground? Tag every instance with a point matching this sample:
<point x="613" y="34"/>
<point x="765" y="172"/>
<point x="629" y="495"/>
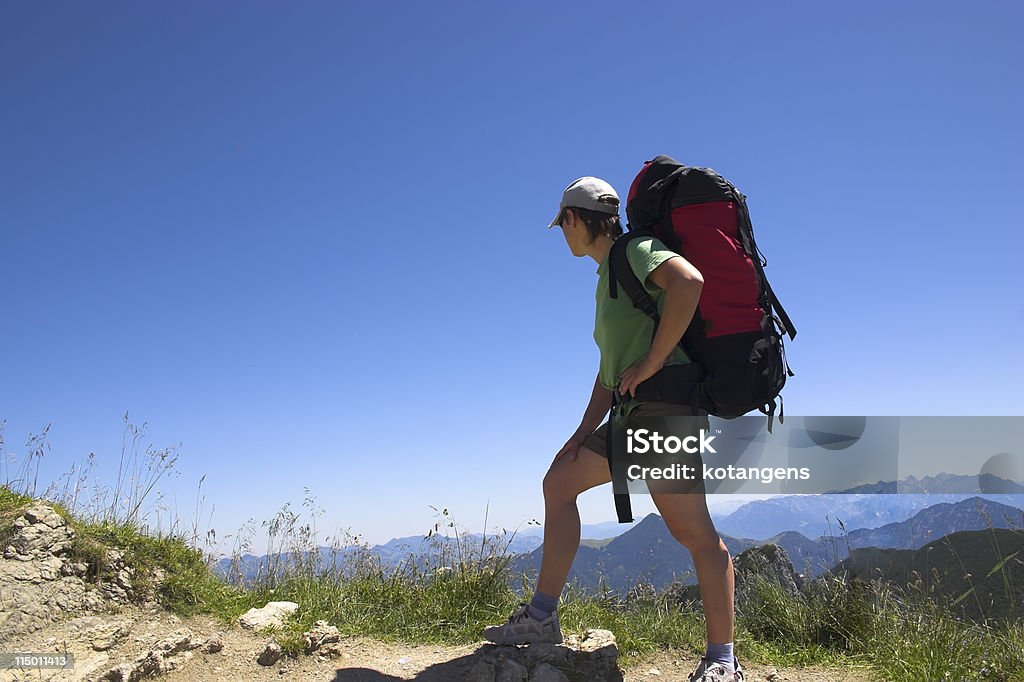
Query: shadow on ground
<point x="448" y="671"/>
<point x="455" y="669"/>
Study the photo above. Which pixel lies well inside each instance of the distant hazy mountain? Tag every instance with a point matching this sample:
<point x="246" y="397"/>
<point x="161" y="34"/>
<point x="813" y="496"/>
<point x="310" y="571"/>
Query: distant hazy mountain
<point x="942" y="484"/>
<point x="398" y="549"/>
<point x="436" y="550"/>
<point x="589" y="531"/>
<point x="648" y="552"/>
<point x="975" y="513"/>
<point x="814" y="515"/>
<point x="816" y="556"/>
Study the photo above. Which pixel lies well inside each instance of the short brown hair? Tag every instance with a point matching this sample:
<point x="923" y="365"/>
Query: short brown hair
<point x="599" y="223"/>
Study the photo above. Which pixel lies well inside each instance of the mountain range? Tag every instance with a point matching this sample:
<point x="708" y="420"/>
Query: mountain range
<point x="648" y="552"/>
<point x="814" y="515"/>
<point x="817" y="532"/>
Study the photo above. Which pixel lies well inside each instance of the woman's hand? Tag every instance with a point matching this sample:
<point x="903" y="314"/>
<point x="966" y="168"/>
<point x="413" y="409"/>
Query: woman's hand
<point x="571" y="449"/>
<point x="637" y="374"/>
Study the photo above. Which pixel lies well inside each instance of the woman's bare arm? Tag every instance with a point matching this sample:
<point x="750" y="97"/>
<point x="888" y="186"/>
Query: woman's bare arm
<point x="682" y="283"/>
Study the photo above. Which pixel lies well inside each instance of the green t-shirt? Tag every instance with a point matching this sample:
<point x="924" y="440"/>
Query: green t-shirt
<point x="623" y="333"/>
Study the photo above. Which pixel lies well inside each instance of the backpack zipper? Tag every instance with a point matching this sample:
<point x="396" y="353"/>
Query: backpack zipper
<point x="707" y="198"/>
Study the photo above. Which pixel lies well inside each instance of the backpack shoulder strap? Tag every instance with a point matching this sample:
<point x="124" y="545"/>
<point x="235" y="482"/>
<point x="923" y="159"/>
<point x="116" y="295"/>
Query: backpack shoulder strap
<point x="621" y="274"/>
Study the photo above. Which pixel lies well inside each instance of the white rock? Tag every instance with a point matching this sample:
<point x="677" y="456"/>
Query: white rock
<point x="271" y="615"/>
<point x="595" y="640"/>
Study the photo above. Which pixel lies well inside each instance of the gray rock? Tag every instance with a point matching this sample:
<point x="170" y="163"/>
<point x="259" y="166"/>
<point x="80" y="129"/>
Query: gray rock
<point x="511" y="670"/>
<point x="271" y="654"/>
<point x="32" y="597"/>
<point x="40" y="584"/>
<point x="598" y="641"/>
<point x="321" y="634"/>
<point x="117" y="582"/>
<point x="765" y="562"/>
<point x="768" y="563"/>
<point x="332" y="650"/>
<point x="158" y="660"/>
<point x="78" y="569"/>
<point x="554" y="654"/>
<point x="599" y="655"/>
<point x="89" y="666"/>
<point x="50" y="567"/>
<point x="85" y="624"/>
<point x="593" y="658"/>
<point x="40" y="532"/>
<point x="547" y="673"/>
<point x="482" y="671"/>
<point x="106" y="636"/>
<point x="684" y="596"/>
<point x="213" y="644"/>
<point x="179" y="640"/>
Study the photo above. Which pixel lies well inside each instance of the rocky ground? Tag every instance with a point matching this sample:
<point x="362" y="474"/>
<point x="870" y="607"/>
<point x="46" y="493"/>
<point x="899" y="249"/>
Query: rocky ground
<point x="209" y="652"/>
<point x="46" y="607"/>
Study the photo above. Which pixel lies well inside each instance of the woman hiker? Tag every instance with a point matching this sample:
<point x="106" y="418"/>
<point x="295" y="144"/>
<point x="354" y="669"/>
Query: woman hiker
<point x="589" y="218"/>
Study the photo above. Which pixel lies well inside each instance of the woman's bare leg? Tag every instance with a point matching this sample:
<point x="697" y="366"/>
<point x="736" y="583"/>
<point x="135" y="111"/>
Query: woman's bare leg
<point x="563" y="483"/>
<point x="687" y="518"/>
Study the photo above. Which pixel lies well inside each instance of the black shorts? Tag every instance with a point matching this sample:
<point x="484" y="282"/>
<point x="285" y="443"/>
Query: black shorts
<point x="678" y="470"/>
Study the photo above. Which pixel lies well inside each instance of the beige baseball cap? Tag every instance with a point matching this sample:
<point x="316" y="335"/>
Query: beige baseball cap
<point x="586" y="193"/>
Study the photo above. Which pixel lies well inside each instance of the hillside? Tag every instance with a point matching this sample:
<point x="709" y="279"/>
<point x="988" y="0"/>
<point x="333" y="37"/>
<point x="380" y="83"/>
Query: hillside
<point x="110" y="617"/>
<point x="647" y="553"/>
<point x="981" y="573"/>
<point x="817" y="515"/>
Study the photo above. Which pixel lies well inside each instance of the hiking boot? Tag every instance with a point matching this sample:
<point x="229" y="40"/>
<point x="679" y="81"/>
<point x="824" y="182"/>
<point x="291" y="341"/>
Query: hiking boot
<point x="522" y="628"/>
<point x="716" y="672"/>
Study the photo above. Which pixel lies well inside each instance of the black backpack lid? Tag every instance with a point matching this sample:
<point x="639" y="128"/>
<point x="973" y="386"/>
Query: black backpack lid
<point x="644" y="207"/>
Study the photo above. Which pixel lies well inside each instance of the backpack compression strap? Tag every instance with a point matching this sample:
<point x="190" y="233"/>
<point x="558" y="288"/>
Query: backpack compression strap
<point x="621" y="273"/>
<point x="746" y="234"/>
<point x="620" y="490"/>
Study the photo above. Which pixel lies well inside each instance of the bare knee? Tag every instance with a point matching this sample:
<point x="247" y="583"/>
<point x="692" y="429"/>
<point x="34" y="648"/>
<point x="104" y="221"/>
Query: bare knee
<point x="698" y="539"/>
<point x="557" y="486"/>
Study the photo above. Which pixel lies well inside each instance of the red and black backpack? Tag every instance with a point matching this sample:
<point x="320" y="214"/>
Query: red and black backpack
<point x="737" y="330"/>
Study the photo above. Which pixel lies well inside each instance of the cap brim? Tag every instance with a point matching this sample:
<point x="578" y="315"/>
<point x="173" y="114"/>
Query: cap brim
<point x="557" y="220"/>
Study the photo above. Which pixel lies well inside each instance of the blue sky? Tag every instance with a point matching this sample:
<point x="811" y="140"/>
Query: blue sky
<point x="306" y="243"/>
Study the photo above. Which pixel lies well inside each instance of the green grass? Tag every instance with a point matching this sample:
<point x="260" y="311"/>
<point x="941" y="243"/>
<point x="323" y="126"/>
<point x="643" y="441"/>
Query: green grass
<point x="898" y="634"/>
<point x="903" y="634"/>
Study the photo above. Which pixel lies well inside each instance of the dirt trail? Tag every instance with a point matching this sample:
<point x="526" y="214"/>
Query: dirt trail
<point x="368" y="660"/>
<point x="361" y="659"/>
